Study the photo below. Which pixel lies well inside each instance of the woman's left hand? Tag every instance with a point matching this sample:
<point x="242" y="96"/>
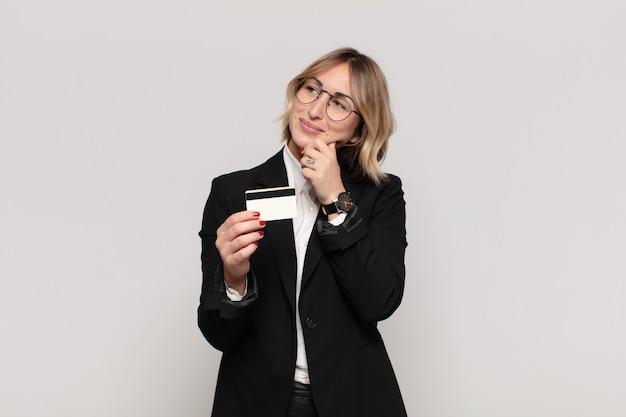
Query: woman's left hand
<point x="321" y="169"/>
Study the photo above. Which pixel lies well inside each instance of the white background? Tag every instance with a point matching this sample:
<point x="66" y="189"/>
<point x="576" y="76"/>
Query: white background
<point x="115" y="115"/>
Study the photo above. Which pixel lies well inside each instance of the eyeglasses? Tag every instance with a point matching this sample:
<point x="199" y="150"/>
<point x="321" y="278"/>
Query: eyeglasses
<point x="339" y="106"/>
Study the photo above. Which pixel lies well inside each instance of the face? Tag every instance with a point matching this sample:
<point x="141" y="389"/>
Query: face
<point x="308" y="122"/>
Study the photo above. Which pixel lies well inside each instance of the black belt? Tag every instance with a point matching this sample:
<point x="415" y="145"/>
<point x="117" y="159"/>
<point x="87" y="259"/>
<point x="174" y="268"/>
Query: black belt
<point x="301" y="403"/>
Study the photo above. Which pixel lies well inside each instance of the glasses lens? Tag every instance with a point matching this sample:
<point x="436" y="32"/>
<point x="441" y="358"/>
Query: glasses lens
<point x="308" y="92"/>
<point x="339" y="108"/>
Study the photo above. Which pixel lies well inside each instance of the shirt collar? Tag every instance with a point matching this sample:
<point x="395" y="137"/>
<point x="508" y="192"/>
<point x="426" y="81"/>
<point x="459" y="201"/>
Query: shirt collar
<point x="294" y="170"/>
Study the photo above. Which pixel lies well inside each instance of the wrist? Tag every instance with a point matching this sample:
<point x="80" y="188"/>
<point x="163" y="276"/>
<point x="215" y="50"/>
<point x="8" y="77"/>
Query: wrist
<point x="341" y="204"/>
<point x="236" y="283"/>
<point x="332" y="197"/>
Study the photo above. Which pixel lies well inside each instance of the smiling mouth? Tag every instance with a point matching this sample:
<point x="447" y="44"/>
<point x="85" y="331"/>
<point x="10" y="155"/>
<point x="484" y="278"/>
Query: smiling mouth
<point x="310" y="127"/>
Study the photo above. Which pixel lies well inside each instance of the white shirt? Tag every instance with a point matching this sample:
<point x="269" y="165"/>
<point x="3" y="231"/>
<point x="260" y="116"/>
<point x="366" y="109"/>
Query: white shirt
<point x="308" y="206"/>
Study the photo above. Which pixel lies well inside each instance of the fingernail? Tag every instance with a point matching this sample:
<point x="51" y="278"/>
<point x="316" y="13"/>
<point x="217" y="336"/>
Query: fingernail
<point x="256" y="243"/>
<point x="262" y="222"/>
<point x="256" y="214"/>
<point x="301" y="150"/>
<point x="262" y="233"/>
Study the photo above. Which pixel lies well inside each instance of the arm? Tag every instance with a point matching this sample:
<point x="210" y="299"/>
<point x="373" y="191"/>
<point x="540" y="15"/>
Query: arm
<point x="228" y="240"/>
<point x="367" y="252"/>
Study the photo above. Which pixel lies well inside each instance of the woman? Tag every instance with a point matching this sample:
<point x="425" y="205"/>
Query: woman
<point x="294" y="304"/>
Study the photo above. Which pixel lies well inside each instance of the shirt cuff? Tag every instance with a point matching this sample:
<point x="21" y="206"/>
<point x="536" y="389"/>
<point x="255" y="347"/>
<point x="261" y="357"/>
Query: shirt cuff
<point x="233" y="294"/>
<point x="338" y="221"/>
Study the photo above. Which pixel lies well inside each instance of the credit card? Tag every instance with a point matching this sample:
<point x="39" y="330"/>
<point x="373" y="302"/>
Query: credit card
<point x="276" y="203"/>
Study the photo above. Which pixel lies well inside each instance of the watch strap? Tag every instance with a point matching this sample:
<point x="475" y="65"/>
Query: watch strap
<point x="330" y="208"/>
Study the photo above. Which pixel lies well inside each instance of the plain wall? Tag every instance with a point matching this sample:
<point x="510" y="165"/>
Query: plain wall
<point x="115" y="115"/>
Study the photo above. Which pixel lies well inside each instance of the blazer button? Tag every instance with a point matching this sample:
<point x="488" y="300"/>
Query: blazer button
<point x="311" y="323"/>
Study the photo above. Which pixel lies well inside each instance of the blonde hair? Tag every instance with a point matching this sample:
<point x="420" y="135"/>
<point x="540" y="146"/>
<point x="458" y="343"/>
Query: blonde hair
<point x="371" y="96"/>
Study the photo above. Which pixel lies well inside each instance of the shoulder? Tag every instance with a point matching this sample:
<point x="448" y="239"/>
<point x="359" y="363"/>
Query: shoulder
<point x="236" y="177"/>
<point x="391" y="182"/>
<point x="246" y="176"/>
<point x="391" y="188"/>
<point x="369" y="196"/>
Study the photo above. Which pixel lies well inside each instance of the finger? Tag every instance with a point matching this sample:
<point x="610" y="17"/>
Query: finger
<point x="242" y="242"/>
<point x="237" y="224"/>
<point x="309" y="158"/>
<point x="308" y="162"/>
<point x="310" y="154"/>
<point x="320" y="151"/>
<point x="239" y="249"/>
<point x="238" y="263"/>
<point x="241" y="216"/>
<point x="241" y="257"/>
<point x="328" y="149"/>
<point x="239" y="230"/>
<point x="238" y="218"/>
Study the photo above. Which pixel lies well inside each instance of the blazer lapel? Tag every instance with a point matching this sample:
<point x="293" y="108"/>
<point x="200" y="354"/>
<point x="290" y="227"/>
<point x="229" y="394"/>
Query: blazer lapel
<point x="314" y="253"/>
<point x="279" y="234"/>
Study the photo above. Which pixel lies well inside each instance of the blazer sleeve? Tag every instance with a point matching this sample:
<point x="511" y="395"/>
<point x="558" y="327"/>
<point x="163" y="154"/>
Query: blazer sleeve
<point x="367" y="251"/>
<point x="223" y="322"/>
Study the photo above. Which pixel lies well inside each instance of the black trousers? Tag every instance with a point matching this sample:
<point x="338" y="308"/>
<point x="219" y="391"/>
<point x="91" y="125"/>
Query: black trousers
<point x="301" y="403"/>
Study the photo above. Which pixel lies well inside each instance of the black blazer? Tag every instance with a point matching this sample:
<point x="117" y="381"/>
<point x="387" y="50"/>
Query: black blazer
<point x="353" y="277"/>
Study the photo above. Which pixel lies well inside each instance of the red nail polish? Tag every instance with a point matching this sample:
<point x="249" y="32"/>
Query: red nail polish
<point x="301" y="150"/>
<point x="262" y="233"/>
<point x="256" y="243"/>
<point x="256" y="214"/>
<point x="262" y="222"/>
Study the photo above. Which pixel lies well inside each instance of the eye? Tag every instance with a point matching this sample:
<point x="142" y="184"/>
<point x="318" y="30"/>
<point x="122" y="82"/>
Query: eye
<point x="340" y="103"/>
<point x="312" y="90"/>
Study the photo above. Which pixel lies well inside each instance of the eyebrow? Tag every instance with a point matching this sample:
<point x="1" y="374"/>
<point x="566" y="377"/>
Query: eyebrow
<point x="336" y="93"/>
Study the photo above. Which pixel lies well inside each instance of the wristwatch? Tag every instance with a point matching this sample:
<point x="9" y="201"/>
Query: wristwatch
<point x="342" y="204"/>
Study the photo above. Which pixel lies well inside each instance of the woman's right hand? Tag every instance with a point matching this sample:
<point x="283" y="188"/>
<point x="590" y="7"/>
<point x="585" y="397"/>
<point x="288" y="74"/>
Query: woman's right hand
<point x="237" y="239"/>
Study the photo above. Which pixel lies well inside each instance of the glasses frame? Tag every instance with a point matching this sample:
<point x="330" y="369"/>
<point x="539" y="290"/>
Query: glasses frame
<point x="330" y="97"/>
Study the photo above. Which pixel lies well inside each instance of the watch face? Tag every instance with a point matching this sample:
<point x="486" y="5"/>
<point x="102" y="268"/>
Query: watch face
<point x="345" y="203"/>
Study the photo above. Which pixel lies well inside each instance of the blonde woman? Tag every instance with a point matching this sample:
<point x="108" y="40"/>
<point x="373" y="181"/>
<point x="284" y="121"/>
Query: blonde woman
<point x="294" y="304"/>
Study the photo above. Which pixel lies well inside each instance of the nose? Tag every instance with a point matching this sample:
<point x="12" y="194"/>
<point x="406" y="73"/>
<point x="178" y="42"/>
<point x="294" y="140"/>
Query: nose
<point x="317" y="109"/>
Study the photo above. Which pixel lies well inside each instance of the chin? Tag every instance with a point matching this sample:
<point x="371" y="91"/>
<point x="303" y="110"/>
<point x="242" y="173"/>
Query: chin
<point x="302" y="140"/>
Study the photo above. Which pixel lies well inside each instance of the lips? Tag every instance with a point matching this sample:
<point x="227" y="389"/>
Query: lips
<point x="309" y="127"/>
